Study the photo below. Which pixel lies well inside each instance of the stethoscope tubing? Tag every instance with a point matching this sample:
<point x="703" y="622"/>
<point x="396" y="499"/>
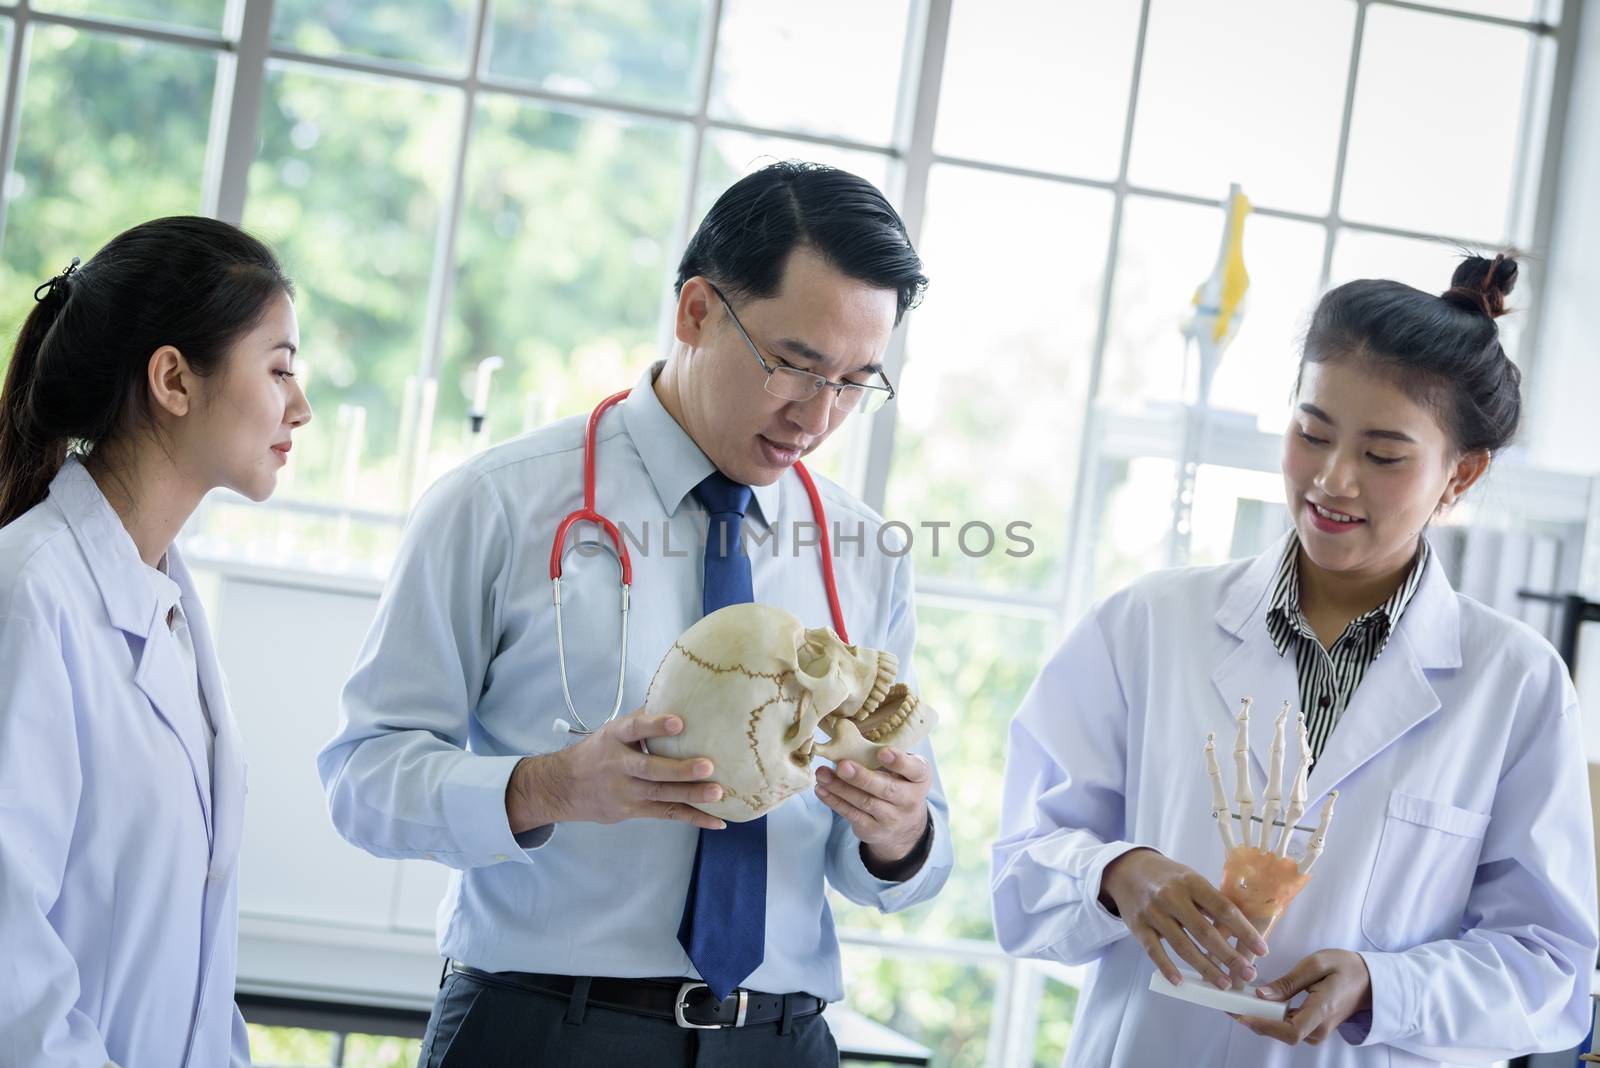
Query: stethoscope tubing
<point x="588" y="513"/>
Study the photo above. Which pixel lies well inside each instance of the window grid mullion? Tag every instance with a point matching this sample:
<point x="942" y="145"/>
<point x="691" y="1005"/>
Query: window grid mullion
<point x="444" y="256"/>
<point x="917" y="129"/>
<point x="1550" y="176"/>
<point x="697" y="144"/>
<point x="16" y="73"/>
<point x="1079" y="550"/>
<point x="1352" y="76"/>
<point x="236" y="110"/>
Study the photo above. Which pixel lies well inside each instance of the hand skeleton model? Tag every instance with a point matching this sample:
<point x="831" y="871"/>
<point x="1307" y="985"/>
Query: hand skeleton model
<point x="753" y="686"/>
<point x="1258" y="875"/>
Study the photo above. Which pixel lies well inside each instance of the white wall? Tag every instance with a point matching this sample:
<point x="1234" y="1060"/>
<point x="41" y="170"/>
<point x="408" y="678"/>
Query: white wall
<point x="316" y="914"/>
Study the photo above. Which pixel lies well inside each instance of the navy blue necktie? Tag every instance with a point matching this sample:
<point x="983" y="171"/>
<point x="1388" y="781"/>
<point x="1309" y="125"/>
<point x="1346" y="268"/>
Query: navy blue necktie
<point x="725" y="914"/>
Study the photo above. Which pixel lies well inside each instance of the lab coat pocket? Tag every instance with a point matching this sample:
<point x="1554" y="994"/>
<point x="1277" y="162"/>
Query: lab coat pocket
<point x="1422" y="873"/>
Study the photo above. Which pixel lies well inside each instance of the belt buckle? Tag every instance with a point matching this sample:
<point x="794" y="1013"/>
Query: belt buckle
<point x="680" y="1002"/>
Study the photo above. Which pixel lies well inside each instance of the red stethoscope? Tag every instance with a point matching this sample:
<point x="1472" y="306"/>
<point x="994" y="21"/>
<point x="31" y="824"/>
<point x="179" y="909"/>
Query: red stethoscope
<point x="619" y="551"/>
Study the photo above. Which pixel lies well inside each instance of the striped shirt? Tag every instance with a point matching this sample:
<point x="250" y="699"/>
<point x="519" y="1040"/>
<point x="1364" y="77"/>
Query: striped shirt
<point x="1328" y="677"/>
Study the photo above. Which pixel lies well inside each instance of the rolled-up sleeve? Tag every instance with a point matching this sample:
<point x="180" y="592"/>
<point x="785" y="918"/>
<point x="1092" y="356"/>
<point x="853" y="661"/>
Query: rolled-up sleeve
<point x="1516" y="980"/>
<point x="399" y="778"/>
<point x="1063" y="806"/>
<point x="845" y="870"/>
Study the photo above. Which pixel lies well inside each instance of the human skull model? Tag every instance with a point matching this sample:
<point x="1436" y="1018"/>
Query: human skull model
<point x="753" y="686"/>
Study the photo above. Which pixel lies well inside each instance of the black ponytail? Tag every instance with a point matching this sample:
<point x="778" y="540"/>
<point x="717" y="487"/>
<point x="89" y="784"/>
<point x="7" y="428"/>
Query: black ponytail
<point x="29" y="456"/>
<point x="77" y="374"/>
<point x="1442" y="350"/>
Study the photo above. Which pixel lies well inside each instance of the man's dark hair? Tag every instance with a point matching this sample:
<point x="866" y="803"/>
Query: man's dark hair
<point x="746" y="237"/>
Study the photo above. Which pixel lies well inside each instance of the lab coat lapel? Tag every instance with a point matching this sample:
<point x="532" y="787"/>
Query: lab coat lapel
<point x="228" y="766"/>
<point x="161" y="675"/>
<point x="1395" y="694"/>
<point x="133" y="608"/>
<point x="1255" y="670"/>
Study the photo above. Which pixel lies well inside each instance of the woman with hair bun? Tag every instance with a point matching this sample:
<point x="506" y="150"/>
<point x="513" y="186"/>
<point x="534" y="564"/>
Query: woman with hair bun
<point x="141" y="380"/>
<point x="1451" y="916"/>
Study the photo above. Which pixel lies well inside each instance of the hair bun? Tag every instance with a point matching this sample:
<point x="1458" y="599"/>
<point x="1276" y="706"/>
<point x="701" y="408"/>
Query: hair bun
<point x="1482" y="285"/>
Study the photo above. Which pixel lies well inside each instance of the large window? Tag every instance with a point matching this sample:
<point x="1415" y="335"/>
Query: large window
<point x="483" y="204"/>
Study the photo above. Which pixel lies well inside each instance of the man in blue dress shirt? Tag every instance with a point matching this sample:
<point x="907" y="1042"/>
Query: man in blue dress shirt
<point x="593" y="916"/>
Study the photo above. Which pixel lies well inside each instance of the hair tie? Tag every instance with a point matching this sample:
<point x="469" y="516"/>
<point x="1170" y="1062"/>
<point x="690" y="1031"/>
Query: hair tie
<point x="47" y="289"/>
<point x="1487" y="284"/>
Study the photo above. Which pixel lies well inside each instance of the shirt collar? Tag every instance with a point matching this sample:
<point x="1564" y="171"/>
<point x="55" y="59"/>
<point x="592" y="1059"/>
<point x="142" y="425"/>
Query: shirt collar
<point x="169" y="594"/>
<point x="113" y="559"/>
<point x="675" y="464"/>
<point x="1284" y="602"/>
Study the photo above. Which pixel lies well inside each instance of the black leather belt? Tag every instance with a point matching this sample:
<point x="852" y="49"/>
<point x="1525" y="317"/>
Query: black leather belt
<point x="686" y="1002"/>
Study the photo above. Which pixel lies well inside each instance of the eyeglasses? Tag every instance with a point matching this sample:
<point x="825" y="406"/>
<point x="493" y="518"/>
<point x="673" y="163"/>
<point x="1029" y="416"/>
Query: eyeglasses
<point x="794" y="384"/>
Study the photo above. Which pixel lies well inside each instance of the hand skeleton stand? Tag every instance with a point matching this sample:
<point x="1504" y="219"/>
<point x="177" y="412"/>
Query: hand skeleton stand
<point x="1258" y="875"/>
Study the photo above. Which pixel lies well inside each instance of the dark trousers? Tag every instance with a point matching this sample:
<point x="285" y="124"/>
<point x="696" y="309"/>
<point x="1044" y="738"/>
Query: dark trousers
<point x="485" y="1025"/>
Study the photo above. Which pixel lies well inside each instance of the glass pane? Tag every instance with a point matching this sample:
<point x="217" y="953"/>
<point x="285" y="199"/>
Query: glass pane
<point x="185" y="14"/>
<point x="974" y="666"/>
<point x="297" y="1046"/>
<point x="1133" y="517"/>
<point x="638" y="50"/>
<point x="1426" y="265"/>
<point x="133" y="149"/>
<point x="1058" y="1008"/>
<point x="1235" y="91"/>
<point x="999" y="352"/>
<point x="564" y="255"/>
<point x="1165" y="251"/>
<point x="1542" y="10"/>
<point x="947" y="1006"/>
<point x="290" y="1045"/>
<point x="1016" y="72"/>
<point x="1168" y="249"/>
<point x="1236" y="513"/>
<point x="349" y="186"/>
<point x="433" y="33"/>
<point x="1284" y="258"/>
<point x="1434" y="146"/>
<point x="828" y="67"/>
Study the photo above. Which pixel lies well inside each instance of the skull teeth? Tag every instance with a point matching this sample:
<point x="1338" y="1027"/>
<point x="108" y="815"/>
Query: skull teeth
<point x="888" y="668"/>
<point x="881" y="731"/>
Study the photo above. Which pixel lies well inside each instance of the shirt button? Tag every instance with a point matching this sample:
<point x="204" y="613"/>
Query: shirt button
<point x="1325" y="701"/>
<point x="501" y="857"/>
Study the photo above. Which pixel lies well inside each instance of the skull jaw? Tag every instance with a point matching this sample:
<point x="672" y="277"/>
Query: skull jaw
<point x="901" y="721"/>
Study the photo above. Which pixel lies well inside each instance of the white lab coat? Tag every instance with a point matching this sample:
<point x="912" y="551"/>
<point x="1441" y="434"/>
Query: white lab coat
<point x="118" y="903"/>
<point x="1460" y="863"/>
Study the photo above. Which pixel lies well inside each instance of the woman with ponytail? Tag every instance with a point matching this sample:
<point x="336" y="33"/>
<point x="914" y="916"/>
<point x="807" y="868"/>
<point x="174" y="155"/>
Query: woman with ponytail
<point x="157" y="371"/>
<point x="1451" y="915"/>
